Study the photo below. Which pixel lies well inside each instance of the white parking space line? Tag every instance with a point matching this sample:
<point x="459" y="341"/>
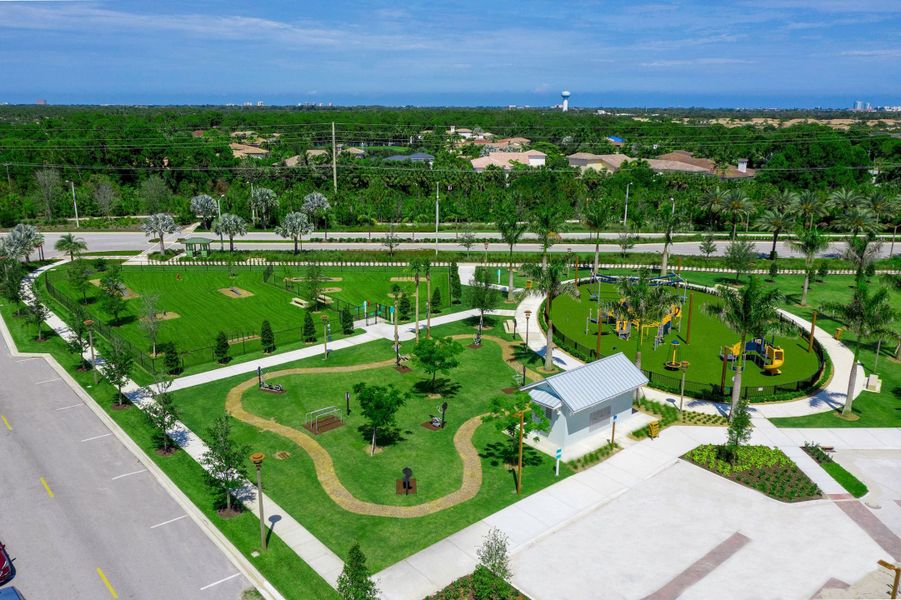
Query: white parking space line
<point x="206" y="587"/>
<point x="47" y="381"/>
<point x="128" y="474"/>
<point x="169" y="521"/>
<point x="96" y="437"/>
<point x="70" y="406"/>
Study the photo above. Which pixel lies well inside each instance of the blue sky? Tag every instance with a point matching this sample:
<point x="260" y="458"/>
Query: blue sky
<point x="490" y="52"/>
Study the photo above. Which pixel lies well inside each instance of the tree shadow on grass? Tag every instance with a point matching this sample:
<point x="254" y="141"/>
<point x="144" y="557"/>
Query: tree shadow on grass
<point x="489" y="321"/>
<point x="444" y="386"/>
<point x="385" y="436"/>
<point x="506" y="453"/>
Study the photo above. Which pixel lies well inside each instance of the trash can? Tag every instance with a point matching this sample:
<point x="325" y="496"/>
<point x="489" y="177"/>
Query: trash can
<point x="654" y="429"/>
<point x="839" y="331"/>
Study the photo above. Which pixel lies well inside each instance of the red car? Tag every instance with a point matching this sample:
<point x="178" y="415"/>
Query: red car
<point x="6" y="565"/>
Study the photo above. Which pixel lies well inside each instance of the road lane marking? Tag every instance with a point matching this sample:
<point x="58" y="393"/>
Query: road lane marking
<point x="169" y="521"/>
<point x="5" y="422"/>
<point x="70" y="406"/>
<point x="106" y="582"/>
<point x="47" y="381"/>
<point x="47" y="487"/>
<point x="208" y="586"/>
<point x="127" y="474"/>
<point x="96" y="437"/>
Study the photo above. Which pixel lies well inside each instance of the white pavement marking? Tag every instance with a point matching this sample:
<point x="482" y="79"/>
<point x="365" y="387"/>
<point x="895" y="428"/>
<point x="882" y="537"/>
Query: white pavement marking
<point x="208" y="586"/>
<point x="96" y="437"/>
<point x="169" y="521"/>
<point x="128" y="474"/>
<point x="26" y="359"/>
<point x="47" y="381"/>
<point x="70" y="406"/>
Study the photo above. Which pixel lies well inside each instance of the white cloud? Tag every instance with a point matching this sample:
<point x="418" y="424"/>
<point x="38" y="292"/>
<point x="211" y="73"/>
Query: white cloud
<point x="688" y="62"/>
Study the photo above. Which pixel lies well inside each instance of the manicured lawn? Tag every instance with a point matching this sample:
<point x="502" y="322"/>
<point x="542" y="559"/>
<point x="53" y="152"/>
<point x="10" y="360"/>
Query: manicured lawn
<point x="708" y="335"/>
<point x="436" y="465"/>
<point x="846" y="479"/>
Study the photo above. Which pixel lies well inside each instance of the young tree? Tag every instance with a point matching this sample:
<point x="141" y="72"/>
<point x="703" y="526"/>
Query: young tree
<point x="509" y="222"/>
<point x="150" y="319"/>
<point x="740" y="428"/>
<point x="808" y="242"/>
<point x="113" y="298"/>
<point x="22" y="240"/>
<point x="391" y="242"/>
<point x="313" y="281"/>
<point x="456" y="287"/>
<point x="263" y="203"/>
<point x="37" y="314"/>
<point x="738" y="206"/>
<point x="467" y="239"/>
<point x="78" y="341"/>
<point x="777" y="219"/>
<point x="224" y="460"/>
<point x="379" y="405"/>
<point x="294" y="226"/>
<point x="104" y="195"/>
<point x="171" y="360"/>
<point x="78" y="275"/>
<point x="668" y="218"/>
<point x="221" y="349"/>
<point x="739" y="257"/>
<point x="48" y="184"/>
<point x="437" y="355"/>
<point x="547" y="281"/>
<point x="205" y="207"/>
<point x="774" y="270"/>
<point x="518" y="417"/>
<point x="11" y="274"/>
<point x="494" y="554"/>
<point x="435" y="304"/>
<point x="355" y="582"/>
<point x="267" y="338"/>
<point x="750" y="311"/>
<point x="417" y="267"/>
<point x="155" y="194"/>
<point x="316" y="206"/>
<point x="347" y="321"/>
<point x="482" y="296"/>
<point x="867" y="315"/>
<point x="548" y="220"/>
<point x="162" y="414"/>
<point x="158" y="226"/>
<point x="71" y="245"/>
<point x="708" y="246"/>
<point x="625" y="241"/>
<point x="404" y="308"/>
<point x="644" y="303"/>
<point x="117" y="367"/>
<point x="230" y="225"/>
<point x="309" y="328"/>
<point x="862" y="252"/>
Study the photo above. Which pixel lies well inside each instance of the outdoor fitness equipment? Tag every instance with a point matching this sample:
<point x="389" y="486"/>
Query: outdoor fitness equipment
<point x="439" y="422"/>
<point x="323" y="419"/>
<point x="268" y="387"/>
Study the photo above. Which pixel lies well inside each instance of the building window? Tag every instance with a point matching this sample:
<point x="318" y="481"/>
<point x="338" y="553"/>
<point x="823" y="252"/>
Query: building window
<point x="548" y="413"/>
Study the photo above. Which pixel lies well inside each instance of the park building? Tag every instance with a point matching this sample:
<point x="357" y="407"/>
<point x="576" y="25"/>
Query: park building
<point x="582" y="403"/>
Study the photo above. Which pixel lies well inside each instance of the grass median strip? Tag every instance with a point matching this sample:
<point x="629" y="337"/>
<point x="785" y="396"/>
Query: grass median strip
<point x="845" y="478"/>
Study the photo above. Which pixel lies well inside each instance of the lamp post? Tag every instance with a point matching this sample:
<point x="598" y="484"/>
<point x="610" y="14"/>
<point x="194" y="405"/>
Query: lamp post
<point x="626" y="211"/>
<point x="684" y="368"/>
<point x="74" y="203"/>
<point x="90" y="325"/>
<point x="528" y="314"/>
<point x="396" y="338"/>
<point x="325" y="332"/>
<point x="219" y="213"/>
<point x="257" y="459"/>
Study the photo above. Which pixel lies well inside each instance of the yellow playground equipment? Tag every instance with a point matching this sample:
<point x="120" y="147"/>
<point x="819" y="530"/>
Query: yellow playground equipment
<point x="624" y="326"/>
<point x="767" y="356"/>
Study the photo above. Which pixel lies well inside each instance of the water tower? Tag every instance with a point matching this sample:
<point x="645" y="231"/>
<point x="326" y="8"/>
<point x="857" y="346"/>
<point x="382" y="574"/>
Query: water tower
<point x="565" y="96"/>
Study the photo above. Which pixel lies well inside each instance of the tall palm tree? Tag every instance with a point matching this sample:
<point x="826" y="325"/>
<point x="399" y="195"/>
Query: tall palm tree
<point x="862" y="252"/>
<point x="427" y="271"/>
<point x="596" y="215"/>
<point x="644" y="303"/>
<point x="808" y="242"/>
<point x="776" y="219"/>
<point x="866" y="315"/>
<point x="511" y="227"/>
<point x="857" y="220"/>
<point x="751" y="311"/>
<point x="547" y="220"/>
<point x="668" y="218"/>
<point x="547" y="280"/>
<point x="842" y="200"/>
<point x="738" y="206"/>
<point x="230" y="225"/>
<point x="416" y="267"/>
<point x="714" y="201"/>
<point x="71" y="245"/>
<point x="809" y="206"/>
<point x="883" y="205"/>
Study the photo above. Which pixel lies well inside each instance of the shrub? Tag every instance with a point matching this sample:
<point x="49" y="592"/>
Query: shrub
<point x="267" y="338"/>
<point x="436" y="301"/>
<point x="309" y="328"/>
<point x="171" y="359"/>
<point x="221" y="348"/>
<point x="347" y="321"/>
<point x="403" y="307"/>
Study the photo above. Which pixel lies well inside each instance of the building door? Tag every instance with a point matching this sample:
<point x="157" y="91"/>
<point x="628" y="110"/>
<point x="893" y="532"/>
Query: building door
<point x="599" y="419"/>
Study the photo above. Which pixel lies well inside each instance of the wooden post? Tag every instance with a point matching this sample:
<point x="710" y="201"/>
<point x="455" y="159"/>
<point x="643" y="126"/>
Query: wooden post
<point x="723" y="376"/>
<point x="522" y="416"/>
<point x="599" y="334"/>
<point x="813" y="326"/>
<point x="691" y="304"/>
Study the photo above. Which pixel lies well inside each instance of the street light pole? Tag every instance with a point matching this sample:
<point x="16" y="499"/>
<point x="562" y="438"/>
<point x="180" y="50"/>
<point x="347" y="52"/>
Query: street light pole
<point x="325" y="334"/>
<point x="436" y="218"/>
<point x="74" y="203"/>
<point x="219" y="213"/>
<point x="626" y="211"/>
<point x="90" y="325"/>
<point x="528" y="314"/>
<point x="257" y="459"/>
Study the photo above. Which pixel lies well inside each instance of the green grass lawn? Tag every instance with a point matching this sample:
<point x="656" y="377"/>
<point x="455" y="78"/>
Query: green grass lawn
<point x="708" y="335"/>
<point x="435" y="463"/>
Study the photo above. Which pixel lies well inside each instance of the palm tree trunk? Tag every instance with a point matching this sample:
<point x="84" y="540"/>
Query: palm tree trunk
<point x="664" y="262"/>
<point x="372" y="449"/>
<point x="417" y="308"/>
<point x="510" y="278"/>
<point x="428" y="305"/>
<point x="597" y="251"/>
<point x="231" y="243"/>
<point x="734" y="228"/>
<point x="878" y="350"/>
<point x="295" y="245"/>
<point x="806" y="285"/>
<point x="852" y="381"/>
<point x="736" y="382"/>
<point x="773" y="249"/>
<point x="549" y="346"/>
<point x="638" y="347"/>
<point x="162" y="246"/>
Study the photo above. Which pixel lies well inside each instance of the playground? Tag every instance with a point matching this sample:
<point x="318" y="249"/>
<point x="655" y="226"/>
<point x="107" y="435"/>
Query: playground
<point x="330" y="482"/>
<point x="778" y="360"/>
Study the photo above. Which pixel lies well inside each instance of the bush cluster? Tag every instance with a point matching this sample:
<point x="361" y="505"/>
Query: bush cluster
<point x="594" y="457"/>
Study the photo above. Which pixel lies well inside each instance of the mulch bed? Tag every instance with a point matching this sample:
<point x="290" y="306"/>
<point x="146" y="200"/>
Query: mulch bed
<point x="510" y="390"/>
<point x="228" y="513"/>
<point x="474" y="346"/>
<point x="399" y="487"/>
<point x="172" y="450"/>
<point x="326" y="424"/>
<point x="402" y="369"/>
<point x="428" y="425"/>
<point x="123" y="406"/>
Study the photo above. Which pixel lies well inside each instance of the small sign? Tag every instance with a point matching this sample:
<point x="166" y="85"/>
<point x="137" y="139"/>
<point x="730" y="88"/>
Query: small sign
<point x="559" y="453"/>
<point x="498" y="276"/>
<point x="615" y="417"/>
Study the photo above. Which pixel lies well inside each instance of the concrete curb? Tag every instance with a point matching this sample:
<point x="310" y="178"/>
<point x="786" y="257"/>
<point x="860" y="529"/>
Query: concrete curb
<point x="266" y="589"/>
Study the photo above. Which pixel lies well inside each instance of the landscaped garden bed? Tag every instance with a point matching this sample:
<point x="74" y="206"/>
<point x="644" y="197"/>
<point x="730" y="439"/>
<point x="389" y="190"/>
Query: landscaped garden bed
<point x="670" y="415"/>
<point x="594" y="457"/>
<point x="481" y="585"/>
<point x="767" y="470"/>
<point x="846" y="479"/>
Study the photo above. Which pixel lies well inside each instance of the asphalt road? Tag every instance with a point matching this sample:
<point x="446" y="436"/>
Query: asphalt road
<point x="109" y="241"/>
<point x="80" y="516"/>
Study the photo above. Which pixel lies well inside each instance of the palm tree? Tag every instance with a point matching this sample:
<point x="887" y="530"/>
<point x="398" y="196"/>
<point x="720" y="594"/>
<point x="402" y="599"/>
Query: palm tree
<point x="713" y="202"/>
<point x="547" y="221"/>
<point x="596" y="215"/>
<point x="294" y="226"/>
<point x="857" y="220"/>
<point x="71" y="245"/>
<point x="159" y="225"/>
<point x="230" y="225"/>
<point x="866" y="315"/>
<point x="669" y="219"/>
<point x="416" y="267"/>
<point x="809" y="206"/>
<point x="22" y="240"/>
<point x="883" y="205"/>
<point x="427" y="269"/>
<point x="808" y="242"/>
<point x="739" y="206"/>
<point x="842" y="200"/>
<point x="751" y="311"/>
<point x="644" y="303"/>
<point x="776" y="219"/>
<point x="862" y="252"/>
<point x="547" y="280"/>
<point x="511" y="228"/>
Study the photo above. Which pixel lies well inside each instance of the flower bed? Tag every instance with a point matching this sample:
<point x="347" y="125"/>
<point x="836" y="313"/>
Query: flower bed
<point x="767" y="470"/>
<point x="481" y="585"/>
<point x="670" y="415"/>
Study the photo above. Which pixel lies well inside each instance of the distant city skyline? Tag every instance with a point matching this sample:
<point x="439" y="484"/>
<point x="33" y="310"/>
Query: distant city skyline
<point x="741" y="54"/>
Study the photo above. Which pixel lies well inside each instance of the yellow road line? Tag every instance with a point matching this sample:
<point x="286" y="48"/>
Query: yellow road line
<point x="5" y="422"/>
<point x="47" y="487"/>
<point x="108" y="585"/>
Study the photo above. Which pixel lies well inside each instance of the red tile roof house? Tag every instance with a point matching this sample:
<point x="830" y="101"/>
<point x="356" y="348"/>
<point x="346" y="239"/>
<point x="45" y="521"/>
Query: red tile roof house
<point x="731" y="172"/>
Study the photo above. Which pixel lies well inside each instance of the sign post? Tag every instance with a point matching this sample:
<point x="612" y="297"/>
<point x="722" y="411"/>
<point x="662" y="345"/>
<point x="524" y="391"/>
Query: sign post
<point x="498" y="276"/>
<point x="613" y="431"/>
<point x="365" y="312"/>
<point x="559" y="455"/>
<point x="347" y="401"/>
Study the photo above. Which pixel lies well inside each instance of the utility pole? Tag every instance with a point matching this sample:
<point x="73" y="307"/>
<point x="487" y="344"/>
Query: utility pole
<point x="626" y="211"/>
<point x="436" y="218"/>
<point x="334" y="161"/>
<point x="9" y="182"/>
<point x="257" y="459"/>
<point x="74" y="202"/>
<point x="219" y="213"/>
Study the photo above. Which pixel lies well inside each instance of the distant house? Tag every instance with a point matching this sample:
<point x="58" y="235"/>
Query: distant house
<point x="415" y="157"/>
<point x="613" y="162"/>
<point x="354" y="152"/>
<point x="292" y="161"/>
<point x="315" y="153"/>
<point x="506" y="160"/>
<point x="463" y="132"/>
<point x="247" y="151"/>
<point x="197" y="133"/>
<point x="615" y="140"/>
<point x="737" y="171"/>
<point x="581" y="403"/>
